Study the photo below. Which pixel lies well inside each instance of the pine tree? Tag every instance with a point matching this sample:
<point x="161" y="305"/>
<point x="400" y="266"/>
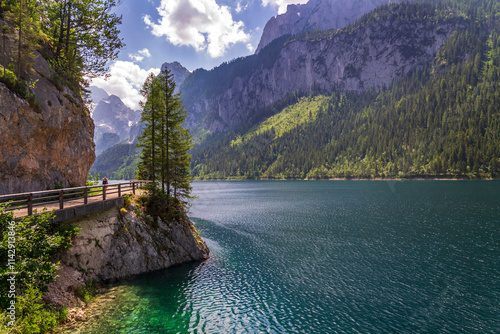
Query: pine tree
<point x="165" y="143"/>
<point x="25" y="16"/>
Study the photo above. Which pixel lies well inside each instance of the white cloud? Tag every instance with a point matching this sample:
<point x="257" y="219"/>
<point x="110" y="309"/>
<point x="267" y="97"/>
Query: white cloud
<point x="239" y="8"/>
<point x="282" y="4"/>
<point x="145" y="52"/>
<point x="125" y="81"/>
<point x="140" y="55"/>
<point x="201" y="24"/>
<point x="135" y="57"/>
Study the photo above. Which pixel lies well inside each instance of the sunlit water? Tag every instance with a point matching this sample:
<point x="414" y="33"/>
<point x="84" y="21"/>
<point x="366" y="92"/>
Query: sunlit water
<point x="327" y="257"/>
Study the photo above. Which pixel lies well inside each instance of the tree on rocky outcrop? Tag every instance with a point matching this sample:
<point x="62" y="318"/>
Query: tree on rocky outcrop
<point x="165" y="143"/>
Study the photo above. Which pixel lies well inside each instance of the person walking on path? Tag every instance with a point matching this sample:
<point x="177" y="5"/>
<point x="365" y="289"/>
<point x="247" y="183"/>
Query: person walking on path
<point x="105" y="182"/>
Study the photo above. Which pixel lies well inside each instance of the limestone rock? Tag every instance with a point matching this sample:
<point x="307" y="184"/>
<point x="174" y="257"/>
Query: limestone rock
<point x="369" y="57"/>
<point x="316" y="15"/>
<point x="40" y="147"/>
<point x="111" y="246"/>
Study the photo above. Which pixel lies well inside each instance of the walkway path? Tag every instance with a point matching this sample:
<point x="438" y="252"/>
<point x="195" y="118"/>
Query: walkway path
<point x="71" y="202"/>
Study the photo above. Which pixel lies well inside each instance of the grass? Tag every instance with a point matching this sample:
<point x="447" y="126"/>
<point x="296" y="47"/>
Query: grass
<point x="304" y="111"/>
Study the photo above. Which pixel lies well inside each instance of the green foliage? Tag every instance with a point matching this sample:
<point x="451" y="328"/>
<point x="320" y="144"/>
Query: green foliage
<point x="88" y="291"/>
<point x="164" y="142"/>
<point x="33" y="316"/>
<point x="158" y="204"/>
<point x="127" y="198"/>
<point x="36" y="243"/>
<point x="296" y="115"/>
<point x="441" y="120"/>
<point x="92" y="180"/>
<point x="18" y="87"/>
<point x="76" y="37"/>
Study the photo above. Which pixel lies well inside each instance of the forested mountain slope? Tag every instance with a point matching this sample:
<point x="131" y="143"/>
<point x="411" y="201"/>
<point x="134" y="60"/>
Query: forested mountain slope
<point x="378" y="48"/>
<point x="439" y="119"/>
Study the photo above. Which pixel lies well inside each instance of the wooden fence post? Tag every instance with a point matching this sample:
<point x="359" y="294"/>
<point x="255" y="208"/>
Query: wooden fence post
<point x="133" y="187"/>
<point x="30" y="204"/>
<point x="104" y="193"/>
<point x="119" y="190"/>
<point x="61" y="201"/>
<point x="85" y="196"/>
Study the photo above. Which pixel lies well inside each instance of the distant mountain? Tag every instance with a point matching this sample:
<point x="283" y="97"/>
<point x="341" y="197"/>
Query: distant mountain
<point x="180" y="73"/>
<point x="409" y="90"/>
<point x="112" y="116"/>
<point x="97" y="94"/>
<point x="316" y="15"/>
<point x="117" y="129"/>
<point x="369" y="54"/>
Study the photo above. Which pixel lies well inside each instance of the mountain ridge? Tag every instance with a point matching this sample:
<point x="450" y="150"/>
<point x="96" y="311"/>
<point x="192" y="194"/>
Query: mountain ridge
<point x="316" y="15"/>
<point x="366" y="56"/>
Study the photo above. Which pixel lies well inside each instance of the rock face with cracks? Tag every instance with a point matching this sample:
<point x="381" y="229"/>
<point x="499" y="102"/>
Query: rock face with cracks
<point x="368" y="57"/>
<point x="45" y="146"/>
<point x="113" y="244"/>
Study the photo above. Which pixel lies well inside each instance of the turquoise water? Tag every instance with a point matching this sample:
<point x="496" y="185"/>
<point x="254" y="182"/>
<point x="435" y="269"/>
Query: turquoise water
<point x="328" y="257"/>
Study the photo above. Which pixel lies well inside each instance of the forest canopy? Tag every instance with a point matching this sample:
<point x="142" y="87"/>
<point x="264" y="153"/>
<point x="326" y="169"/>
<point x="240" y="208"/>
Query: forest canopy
<point x="77" y="37"/>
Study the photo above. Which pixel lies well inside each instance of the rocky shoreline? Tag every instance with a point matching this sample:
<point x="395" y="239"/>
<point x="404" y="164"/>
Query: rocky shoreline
<point x="115" y="244"/>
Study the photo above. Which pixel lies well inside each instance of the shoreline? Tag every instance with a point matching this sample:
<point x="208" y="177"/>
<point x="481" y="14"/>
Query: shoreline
<point x="422" y="178"/>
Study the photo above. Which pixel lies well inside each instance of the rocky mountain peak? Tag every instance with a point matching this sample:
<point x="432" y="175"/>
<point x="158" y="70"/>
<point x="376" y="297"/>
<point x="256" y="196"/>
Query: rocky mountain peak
<point x="113" y="117"/>
<point x="316" y="15"/>
<point x="180" y="72"/>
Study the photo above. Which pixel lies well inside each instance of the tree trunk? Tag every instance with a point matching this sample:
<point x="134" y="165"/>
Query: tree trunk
<point x="19" y="43"/>
<point x="168" y="131"/>
<point x="68" y="31"/>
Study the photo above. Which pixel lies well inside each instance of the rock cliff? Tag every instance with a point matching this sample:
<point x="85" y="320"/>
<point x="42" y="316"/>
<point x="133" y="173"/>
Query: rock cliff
<point x="316" y="15"/>
<point x="113" y="245"/>
<point x="45" y="146"/>
<point x="369" y="56"/>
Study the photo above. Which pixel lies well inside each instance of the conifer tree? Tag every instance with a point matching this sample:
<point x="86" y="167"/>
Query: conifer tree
<point x="165" y="143"/>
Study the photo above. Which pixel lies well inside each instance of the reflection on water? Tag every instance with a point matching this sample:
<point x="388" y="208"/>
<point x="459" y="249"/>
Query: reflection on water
<point x="327" y="257"/>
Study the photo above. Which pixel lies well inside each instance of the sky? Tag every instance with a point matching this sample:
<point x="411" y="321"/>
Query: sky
<point x="196" y="33"/>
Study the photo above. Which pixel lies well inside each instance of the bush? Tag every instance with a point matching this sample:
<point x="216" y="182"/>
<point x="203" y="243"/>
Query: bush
<point x="36" y="243"/>
<point x="33" y="316"/>
<point x="127" y="199"/>
<point x="19" y="88"/>
<point x="158" y="205"/>
<point x="87" y="292"/>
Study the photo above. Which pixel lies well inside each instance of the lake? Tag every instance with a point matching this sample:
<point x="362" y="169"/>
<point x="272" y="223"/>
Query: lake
<point x="328" y="257"/>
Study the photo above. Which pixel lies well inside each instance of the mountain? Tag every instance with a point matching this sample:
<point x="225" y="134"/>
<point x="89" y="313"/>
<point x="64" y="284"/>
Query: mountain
<point x="422" y="100"/>
<point x="316" y="15"/>
<point x="112" y="116"/>
<point x="370" y="53"/>
<point x="118" y="162"/>
<point x="180" y="73"/>
<point x="97" y="94"/>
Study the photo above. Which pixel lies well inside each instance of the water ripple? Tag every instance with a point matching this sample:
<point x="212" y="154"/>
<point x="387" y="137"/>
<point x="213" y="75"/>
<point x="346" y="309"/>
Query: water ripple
<point x="329" y="257"/>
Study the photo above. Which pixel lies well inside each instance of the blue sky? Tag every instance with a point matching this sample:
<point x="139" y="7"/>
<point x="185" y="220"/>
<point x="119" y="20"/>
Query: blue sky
<point x="196" y="33"/>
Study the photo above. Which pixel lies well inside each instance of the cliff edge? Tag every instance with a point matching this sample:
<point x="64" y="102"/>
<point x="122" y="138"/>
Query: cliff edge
<point x="48" y="144"/>
<point x="118" y="243"/>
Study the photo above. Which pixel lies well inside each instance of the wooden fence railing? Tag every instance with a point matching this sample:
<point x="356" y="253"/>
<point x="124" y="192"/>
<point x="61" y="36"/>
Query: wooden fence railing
<point x="61" y="196"/>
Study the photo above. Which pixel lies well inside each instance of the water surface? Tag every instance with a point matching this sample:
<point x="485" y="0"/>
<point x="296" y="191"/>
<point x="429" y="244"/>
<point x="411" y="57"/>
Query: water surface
<point x="328" y="257"/>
